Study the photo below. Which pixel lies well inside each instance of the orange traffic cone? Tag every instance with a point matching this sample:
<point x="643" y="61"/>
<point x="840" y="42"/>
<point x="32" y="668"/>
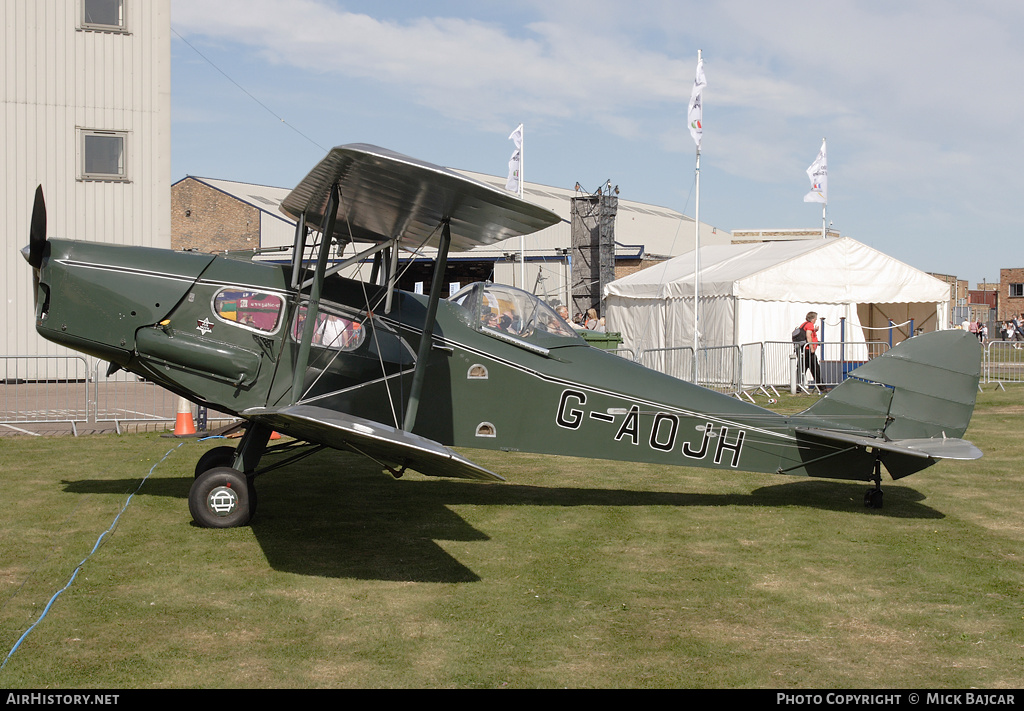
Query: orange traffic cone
<point x="275" y="435"/>
<point x="183" y="424"/>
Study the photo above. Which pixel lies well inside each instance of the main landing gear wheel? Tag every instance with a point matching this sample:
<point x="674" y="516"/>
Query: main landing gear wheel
<point x="222" y="497"/>
<point x="216" y="457"/>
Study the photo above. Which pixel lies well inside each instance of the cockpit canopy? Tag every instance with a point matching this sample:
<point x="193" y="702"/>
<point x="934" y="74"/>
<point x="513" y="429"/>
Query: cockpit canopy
<point x="508" y="313"/>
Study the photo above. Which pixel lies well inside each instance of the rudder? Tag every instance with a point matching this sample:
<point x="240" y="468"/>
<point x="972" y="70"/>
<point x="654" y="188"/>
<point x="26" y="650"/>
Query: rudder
<point x="924" y="387"/>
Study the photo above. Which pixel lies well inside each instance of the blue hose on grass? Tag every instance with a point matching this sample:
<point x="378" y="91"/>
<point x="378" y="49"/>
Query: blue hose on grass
<point x="84" y="560"/>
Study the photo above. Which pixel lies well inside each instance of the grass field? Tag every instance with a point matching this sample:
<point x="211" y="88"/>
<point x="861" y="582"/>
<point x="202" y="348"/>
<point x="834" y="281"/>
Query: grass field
<point x="576" y="573"/>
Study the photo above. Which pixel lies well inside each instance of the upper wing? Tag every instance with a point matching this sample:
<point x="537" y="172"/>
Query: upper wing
<point x="386" y="195"/>
<point x="373" y="439"/>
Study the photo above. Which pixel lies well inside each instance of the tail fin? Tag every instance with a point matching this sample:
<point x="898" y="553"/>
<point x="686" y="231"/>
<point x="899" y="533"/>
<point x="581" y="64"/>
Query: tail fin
<point x="924" y="387"/>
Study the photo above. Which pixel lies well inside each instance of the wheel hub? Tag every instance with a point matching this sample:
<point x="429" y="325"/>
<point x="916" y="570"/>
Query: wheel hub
<point x="222" y="501"/>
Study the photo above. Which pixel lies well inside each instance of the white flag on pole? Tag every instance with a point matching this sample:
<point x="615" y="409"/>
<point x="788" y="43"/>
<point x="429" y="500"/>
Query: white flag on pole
<point x="695" y="111"/>
<point x="818" y="173"/>
<point x="512" y="184"/>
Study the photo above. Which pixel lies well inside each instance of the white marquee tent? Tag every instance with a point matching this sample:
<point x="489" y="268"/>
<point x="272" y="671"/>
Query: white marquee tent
<point x="753" y="293"/>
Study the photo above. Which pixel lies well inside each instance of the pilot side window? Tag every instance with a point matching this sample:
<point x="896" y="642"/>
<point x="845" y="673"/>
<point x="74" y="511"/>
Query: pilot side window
<point x="254" y="310"/>
<point x="332" y="331"/>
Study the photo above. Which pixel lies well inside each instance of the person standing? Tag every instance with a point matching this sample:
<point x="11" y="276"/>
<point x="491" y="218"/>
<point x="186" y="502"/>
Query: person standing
<point x="810" y="356"/>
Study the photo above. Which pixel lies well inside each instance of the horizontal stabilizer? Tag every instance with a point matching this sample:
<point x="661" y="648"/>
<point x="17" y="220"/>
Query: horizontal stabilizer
<point x="373" y="439"/>
<point x="928" y="448"/>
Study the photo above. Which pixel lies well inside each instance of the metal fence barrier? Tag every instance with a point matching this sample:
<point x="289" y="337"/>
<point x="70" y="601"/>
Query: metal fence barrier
<point x="124" y="397"/>
<point x="1003" y="363"/>
<point x="45" y="389"/>
<point x="67" y="389"/>
<point x="760" y="366"/>
<point x="677" y="362"/>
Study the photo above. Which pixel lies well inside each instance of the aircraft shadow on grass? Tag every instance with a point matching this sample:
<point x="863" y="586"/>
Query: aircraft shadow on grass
<point x="363" y="525"/>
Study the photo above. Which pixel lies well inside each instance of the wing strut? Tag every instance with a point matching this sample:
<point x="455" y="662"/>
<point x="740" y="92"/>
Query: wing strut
<point x="392" y="279"/>
<point x="309" y="327"/>
<point x="299" y="250"/>
<point x="426" y="341"/>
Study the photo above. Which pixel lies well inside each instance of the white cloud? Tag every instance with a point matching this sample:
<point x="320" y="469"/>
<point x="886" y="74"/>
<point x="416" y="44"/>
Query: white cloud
<point x="916" y="98"/>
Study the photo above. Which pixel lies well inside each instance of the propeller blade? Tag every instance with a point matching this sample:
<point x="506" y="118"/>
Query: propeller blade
<point x="37" y="231"/>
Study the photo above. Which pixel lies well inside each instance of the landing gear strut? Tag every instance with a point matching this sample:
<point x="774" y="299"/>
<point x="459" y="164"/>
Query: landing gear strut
<point x="873" y="497"/>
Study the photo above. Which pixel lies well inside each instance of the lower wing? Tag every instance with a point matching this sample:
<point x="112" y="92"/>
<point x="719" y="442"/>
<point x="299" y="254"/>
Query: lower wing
<point x="375" y="440"/>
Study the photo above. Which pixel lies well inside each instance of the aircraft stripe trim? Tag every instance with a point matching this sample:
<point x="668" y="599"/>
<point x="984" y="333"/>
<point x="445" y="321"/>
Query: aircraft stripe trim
<point x="173" y="277"/>
<point x="123" y="270"/>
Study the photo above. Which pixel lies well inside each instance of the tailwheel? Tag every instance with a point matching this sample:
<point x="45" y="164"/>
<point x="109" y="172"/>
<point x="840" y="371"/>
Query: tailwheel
<point x="222" y="497"/>
<point x="873" y="496"/>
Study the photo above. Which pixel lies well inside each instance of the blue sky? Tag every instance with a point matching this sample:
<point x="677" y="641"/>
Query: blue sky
<point x="920" y="102"/>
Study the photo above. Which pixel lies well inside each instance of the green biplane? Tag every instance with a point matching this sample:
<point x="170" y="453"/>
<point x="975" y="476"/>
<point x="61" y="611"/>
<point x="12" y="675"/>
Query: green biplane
<point x="400" y="378"/>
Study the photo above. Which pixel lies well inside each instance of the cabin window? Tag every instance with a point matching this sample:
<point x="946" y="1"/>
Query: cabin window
<point x="103" y="155"/>
<point x="253" y="310"/>
<point x="332" y="331"/>
<point x="104" y="15"/>
<point x="502" y="310"/>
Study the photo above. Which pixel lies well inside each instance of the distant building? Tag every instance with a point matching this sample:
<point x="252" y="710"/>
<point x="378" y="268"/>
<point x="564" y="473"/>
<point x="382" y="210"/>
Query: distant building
<point x="1011" y="292"/>
<point x="983" y="303"/>
<point x="86" y="114"/>
<point x="958" y="308"/>
<point x="211" y="215"/>
<point x="220" y="215"/>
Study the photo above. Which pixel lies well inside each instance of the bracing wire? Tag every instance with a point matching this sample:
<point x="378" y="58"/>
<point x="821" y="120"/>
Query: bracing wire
<point x="246" y="91"/>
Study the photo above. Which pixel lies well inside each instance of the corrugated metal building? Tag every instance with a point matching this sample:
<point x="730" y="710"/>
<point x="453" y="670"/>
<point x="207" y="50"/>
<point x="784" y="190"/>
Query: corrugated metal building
<point x="86" y="88"/>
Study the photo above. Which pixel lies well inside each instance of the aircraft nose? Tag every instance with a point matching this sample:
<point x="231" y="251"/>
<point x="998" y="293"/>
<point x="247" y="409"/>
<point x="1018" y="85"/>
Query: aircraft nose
<point x="26" y="251"/>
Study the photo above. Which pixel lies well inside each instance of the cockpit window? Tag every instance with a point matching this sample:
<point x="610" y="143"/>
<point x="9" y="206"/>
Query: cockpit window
<point x="506" y="311"/>
<point x="332" y="331"/>
<point x="255" y="310"/>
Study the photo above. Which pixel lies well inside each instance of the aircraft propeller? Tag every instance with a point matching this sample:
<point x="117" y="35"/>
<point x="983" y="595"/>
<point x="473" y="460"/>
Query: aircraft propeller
<point x="37" y="231"/>
<point x="33" y="253"/>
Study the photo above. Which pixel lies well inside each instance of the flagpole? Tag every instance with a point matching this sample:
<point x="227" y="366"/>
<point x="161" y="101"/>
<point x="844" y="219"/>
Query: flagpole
<point x="696" y="259"/>
<point x="522" y="238"/>
<point x="696" y="242"/>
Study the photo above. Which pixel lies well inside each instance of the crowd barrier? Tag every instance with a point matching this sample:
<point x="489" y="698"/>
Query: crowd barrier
<point x="763" y="367"/>
<point x="767" y="366"/>
<point x="1003" y="363"/>
<point x="45" y="389"/>
<point x="67" y="389"/>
